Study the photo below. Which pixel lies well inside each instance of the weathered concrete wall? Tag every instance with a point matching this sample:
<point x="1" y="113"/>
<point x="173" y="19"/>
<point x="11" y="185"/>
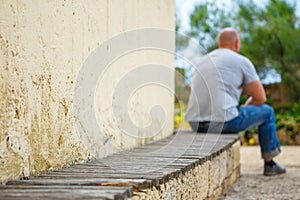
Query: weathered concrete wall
<point x="43" y="45"/>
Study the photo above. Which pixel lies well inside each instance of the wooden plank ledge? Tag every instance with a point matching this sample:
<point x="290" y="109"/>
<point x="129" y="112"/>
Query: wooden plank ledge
<point x="152" y="171"/>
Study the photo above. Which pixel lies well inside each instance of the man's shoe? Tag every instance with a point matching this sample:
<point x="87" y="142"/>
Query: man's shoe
<point x="274" y="170"/>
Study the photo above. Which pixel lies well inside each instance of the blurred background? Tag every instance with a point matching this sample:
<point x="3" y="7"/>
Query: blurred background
<point x="269" y="31"/>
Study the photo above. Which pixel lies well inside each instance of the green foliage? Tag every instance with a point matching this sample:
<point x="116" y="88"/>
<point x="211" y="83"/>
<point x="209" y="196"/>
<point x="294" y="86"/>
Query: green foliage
<point x="182" y="90"/>
<point x="289" y="122"/>
<point x="295" y="110"/>
<point x="206" y="21"/>
<point x="270" y="37"/>
<point x="243" y="99"/>
<point x="179" y="121"/>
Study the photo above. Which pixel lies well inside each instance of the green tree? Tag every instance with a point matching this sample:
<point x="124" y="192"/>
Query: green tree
<point x="269" y="34"/>
<point x="206" y="21"/>
<point x="271" y="39"/>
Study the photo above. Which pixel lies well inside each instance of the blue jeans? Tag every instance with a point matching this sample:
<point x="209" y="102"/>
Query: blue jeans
<point x="261" y="116"/>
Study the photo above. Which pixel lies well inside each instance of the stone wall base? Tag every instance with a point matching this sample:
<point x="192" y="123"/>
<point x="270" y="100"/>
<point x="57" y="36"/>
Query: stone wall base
<point x="209" y="180"/>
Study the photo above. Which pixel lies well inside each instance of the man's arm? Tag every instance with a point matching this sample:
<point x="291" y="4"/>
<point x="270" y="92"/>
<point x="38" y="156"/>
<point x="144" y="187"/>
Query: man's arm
<point x="256" y="93"/>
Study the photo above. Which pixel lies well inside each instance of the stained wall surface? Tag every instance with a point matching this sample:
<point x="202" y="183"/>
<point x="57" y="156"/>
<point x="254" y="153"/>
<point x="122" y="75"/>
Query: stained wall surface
<point x="43" y="46"/>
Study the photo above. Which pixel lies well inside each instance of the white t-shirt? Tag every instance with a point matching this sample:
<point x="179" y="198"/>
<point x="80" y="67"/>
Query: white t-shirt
<point x="217" y="86"/>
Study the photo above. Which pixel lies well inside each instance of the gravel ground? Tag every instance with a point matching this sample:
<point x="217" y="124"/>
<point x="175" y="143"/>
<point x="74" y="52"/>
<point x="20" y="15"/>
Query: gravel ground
<point x="253" y="185"/>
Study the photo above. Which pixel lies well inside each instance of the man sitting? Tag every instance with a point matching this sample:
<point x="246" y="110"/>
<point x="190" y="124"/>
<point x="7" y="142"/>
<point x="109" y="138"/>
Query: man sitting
<point x="216" y="88"/>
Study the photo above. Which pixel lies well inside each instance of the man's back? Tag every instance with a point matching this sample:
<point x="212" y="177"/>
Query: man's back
<point x="217" y="86"/>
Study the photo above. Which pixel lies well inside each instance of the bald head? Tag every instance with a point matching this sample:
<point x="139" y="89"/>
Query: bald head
<point x="229" y="38"/>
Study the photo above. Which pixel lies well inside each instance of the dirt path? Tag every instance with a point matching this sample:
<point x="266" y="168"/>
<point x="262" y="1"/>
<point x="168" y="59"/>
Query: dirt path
<point x="253" y="185"/>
